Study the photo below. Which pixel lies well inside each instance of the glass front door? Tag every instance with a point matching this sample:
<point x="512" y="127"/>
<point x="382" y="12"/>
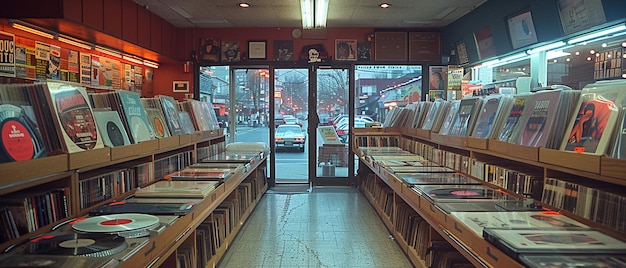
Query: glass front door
<point x="332" y="134"/>
<point x="290" y="124"/>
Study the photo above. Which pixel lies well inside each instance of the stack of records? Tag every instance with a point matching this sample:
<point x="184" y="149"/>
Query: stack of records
<point x="554" y="241"/>
<point x="489" y="205"/>
<point x="150" y="206"/>
<point x="199" y="174"/>
<point x="435" y="178"/>
<point x="422" y="169"/>
<point x="573" y="260"/>
<point x="234" y="168"/>
<point x="233" y="157"/>
<point x="178" y="189"/>
<point x="477" y="221"/>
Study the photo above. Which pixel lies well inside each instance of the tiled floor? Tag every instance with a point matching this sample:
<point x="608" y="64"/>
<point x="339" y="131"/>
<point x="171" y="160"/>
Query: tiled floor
<point x="326" y="227"/>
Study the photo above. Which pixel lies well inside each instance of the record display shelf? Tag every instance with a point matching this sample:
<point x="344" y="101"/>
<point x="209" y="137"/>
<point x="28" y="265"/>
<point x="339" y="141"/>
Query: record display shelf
<point x="473" y="246"/>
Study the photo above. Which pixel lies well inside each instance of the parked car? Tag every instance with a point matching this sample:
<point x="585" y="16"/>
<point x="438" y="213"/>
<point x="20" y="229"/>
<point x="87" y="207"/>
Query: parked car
<point x="289" y="136"/>
<point x="343" y="129"/>
<point x="278" y="119"/>
<point x="292" y="121"/>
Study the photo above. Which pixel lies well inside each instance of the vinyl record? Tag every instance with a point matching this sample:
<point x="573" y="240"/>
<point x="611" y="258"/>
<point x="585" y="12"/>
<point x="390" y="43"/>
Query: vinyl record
<point x="124" y="223"/>
<point x="19" y="141"/>
<point x="91" y="245"/>
<point x="115" y="134"/>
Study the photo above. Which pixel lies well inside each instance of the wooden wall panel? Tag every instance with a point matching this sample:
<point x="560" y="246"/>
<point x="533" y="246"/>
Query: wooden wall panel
<point x="93" y="14"/>
<point x="113" y="17"/>
<point x="390" y="46"/>
<point x="143" y="27"/>
<point x="73" y="10"/>
<point x="155" y="32"/>
<point x="167" y="34"/>
<point x="129" y="21"/>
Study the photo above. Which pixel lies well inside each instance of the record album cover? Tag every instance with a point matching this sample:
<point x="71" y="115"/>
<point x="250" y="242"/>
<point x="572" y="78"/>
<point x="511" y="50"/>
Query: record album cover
<point x="111" y="127"/>
<point x="21" y="139"/>
<point x="74" y="117"/>
<point x="136" y="117"/>
<point x="170" y="112"/>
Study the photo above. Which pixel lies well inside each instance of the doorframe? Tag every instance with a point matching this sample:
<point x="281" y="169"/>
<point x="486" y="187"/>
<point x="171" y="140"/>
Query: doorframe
<point x="330" y="181"/>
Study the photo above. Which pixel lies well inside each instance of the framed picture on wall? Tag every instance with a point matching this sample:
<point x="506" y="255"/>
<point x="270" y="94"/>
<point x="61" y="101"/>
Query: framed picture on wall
<point x="283" y="50"/>
<point x="180" y="86"/>
<point x="257" y="50"/>
<point x="484" y="43"/>
<point x="521" y="29"/>
<point x="345" y="49"/>
<point x="230" y="51"/>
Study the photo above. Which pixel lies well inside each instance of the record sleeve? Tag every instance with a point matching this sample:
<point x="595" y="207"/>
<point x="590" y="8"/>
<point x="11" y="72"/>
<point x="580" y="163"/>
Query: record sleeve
<point x="468" y="111"/>
<point x="477" y="221"/>
<point x="178" y="189"/>
<point x="451" y="117"/>
<point x="579" y="260"/>
<point x="186" y="122"/>
<point x="543" y="109"/>
<point x="74" y="117"/>
<point x="154" y="208"/>
<point x="170" y="112"/>
<point x="553" y="241"/>
<point x="21" y="139"/>
<point x="111" y="127"/>
<point x="514" y="115"/>
<point x="487" y="116"/>
<point x="435" y="178"/>
<point x="136" y="117"/>
<point x="155" y="117"/>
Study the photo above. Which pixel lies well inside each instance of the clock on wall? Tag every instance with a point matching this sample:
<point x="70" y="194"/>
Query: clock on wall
<point x="296" y="33"/>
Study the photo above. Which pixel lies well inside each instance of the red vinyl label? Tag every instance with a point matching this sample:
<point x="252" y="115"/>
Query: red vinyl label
<point x="17" y="141"/>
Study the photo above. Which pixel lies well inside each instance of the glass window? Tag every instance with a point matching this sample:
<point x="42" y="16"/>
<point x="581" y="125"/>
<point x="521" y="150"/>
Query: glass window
<point x="586" y="63"/>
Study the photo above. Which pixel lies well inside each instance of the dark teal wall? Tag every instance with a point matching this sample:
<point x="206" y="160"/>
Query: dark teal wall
<point x="493" y="13"/>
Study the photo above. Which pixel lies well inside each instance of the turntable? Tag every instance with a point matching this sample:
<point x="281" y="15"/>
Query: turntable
<point x="99" y="241"/>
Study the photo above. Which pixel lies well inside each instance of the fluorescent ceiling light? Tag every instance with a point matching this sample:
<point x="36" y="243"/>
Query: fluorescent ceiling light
<point x="75" y="42"/>
<point x="546" y="47"/>
<point x="132" y="59"/>
<point x="556" y="54"/>
<point x="151" y="64"/>
<point x="181" y="12"/>
<point x="445" y="13"/>
<point x="314" y="13"/>
<point x="601" y="33"/>
<point x="491" y="62"/>
<point x="31" y="29"/>
<point x="515" y="57"/>
<point x="109" y="52"/>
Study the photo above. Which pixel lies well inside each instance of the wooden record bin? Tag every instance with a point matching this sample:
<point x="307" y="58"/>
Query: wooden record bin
<point x="417" y="224"/>
<point x="142" y="164"/>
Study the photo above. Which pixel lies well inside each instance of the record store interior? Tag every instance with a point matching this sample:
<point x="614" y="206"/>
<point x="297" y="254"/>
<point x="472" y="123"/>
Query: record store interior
<point x="313" y="133"/>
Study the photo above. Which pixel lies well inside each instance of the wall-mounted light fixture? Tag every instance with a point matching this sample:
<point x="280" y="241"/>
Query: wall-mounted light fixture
<point x="108" y="51"/>
<point x="74" y="42"/>
<point x="314" y="13"/>
<point x="599" y="33"/>
<point x="31" y="29"/>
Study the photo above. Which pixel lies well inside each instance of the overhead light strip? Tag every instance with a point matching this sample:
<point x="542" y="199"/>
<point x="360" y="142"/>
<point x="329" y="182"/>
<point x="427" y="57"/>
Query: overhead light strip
<point x="151" y="64"/>
<point x="132" y="59"/>
<point x="314" y="13"/>
<point x="600" y="33"/>
<point x="74" y="42"/>
<point x="108" y="51"/>
<point x="27" y="28"/>
<point x="550" y="46"/>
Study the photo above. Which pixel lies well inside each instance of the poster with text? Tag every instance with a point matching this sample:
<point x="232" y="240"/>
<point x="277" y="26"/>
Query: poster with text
<point x="7" y="54"/>
<point x="54" y="71"/>
<point x="25" y="62"/>
<point x="42" y="56"/>
<point x="85" y="68"/>
<point x="73" y="67"/>
<point x="484" y="43"/>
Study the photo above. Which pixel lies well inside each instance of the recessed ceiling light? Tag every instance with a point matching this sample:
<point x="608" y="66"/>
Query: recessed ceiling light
<point x="244" y="5"/>
<point x="385" y="5"/>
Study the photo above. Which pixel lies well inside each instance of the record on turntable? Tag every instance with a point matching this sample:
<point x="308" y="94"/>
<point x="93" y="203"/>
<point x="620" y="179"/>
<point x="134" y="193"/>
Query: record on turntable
<point x="124" y="224"/>
<point x="454" y="193"/>
<point x="89" y="245"/>
<point x="435" y="178"/>
<point x="55" y="261"/>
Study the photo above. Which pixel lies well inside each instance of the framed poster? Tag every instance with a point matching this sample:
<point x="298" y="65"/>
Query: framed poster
<point x="345" y="49"/>
<point x="283" y="50"/>
<point x="484" y="43"/>
<point x="230" y="51"/>
<point x="257" y="50"/>
<point x="180" y="86"/>
<point x="521" y="30"/>
<point x="580" y="15"/>
<point x="438" y="77"/>
<point x="461" y="50"/>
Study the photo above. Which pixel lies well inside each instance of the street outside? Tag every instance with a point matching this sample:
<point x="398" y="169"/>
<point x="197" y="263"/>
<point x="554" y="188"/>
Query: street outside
<point x="291" y="164"/>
